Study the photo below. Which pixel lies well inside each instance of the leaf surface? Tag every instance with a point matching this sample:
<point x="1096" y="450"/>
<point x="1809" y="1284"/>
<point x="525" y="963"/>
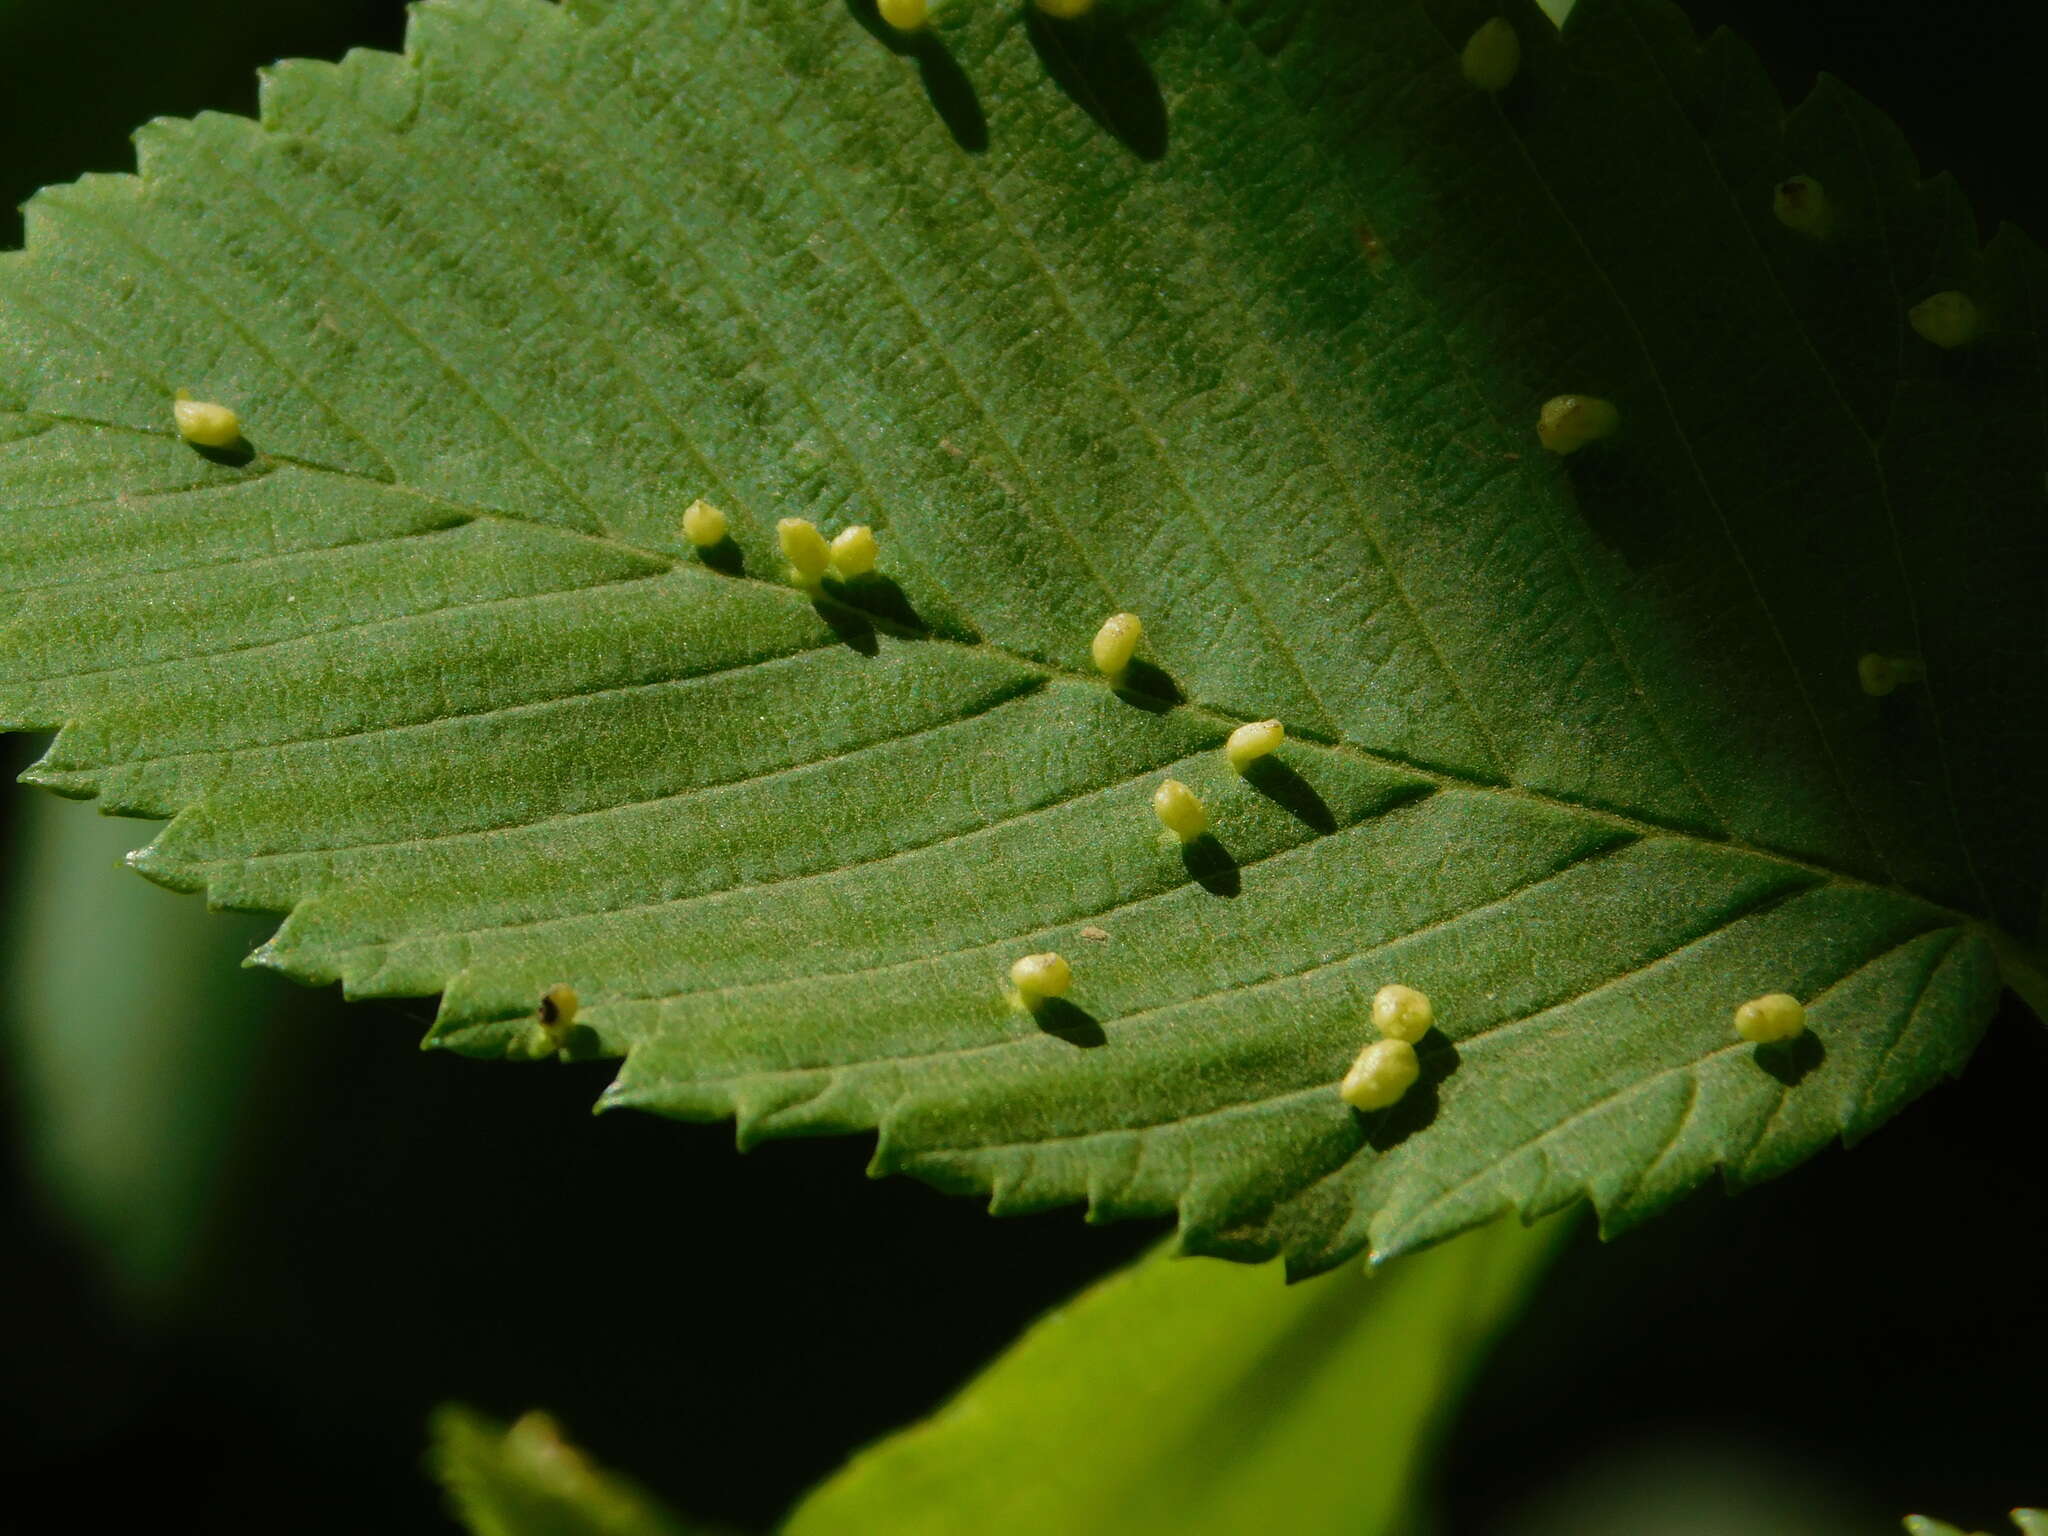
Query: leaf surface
<point x="1237" y="317"/>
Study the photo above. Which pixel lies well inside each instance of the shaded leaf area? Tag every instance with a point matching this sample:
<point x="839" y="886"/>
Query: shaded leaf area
<point x="525" y="1479"/>
<point x="1183" y="1395"/>
<point x="1576" y="746"/>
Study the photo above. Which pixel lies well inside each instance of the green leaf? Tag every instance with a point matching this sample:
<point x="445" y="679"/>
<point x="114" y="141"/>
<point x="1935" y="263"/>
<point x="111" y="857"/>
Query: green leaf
<point x="1235" y="317"/>
<point x="526" y="1480"/>
<point x="1188" y="1396"/>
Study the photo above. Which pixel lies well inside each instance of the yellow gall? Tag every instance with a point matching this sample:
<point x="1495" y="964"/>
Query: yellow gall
<point x="904" y="15"/>
<point x="1180" y="810"/>
<point x="1249" y="743"/>
<point x="553" y="1019"/>
<point x="1117" y="642"/>
<point x="1492" y="56"/>
<point x="1948" y="320"/>
<point x="205" y="424"/>
<point x="1038" y="977"/>
<point x="854" y="551"/>
<point x="558" y="1006"/>
<point x="1066" y="10"/>
<point x="1402" y="1013"/>
<point x="1774" y="1016"/>
<point x="1801" y="205"/>
<point x="1568" y="422"/>
<point x="703" y="524"/>
<point x="1880" y="675"/>
<point x="1384" y="1071"/>
<point x="804" y="548"/>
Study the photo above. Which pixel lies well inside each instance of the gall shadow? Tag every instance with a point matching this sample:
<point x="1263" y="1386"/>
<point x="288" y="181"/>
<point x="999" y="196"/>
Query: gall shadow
<point x="1144" y="686"/>
<point x="1625" y="509"/>
<point x="1210" y="866"/>
<point x="1063" y="1020"/>
<point x="880" y="596"/>
<point x="1907" y="731"/>
<point x="535" y="1042"/>
<point x="946" y="85"/>
<point x="854" y="629"/>
<point x="724" y="557"/>
<point x="239" y="454"/>
<point x="1291" y="792"/>
<point x="580" y="1043"/>
<point x="1417" y="1111"/>
<point x="1790" y="1061"/>
<point x="1093" y="59"/>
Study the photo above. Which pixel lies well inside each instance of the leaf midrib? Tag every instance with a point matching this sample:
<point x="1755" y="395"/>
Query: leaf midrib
<point x="1439" y="777"/>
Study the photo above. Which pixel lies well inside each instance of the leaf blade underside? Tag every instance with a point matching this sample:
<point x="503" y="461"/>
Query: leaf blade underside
<point x="1577" y="747"/>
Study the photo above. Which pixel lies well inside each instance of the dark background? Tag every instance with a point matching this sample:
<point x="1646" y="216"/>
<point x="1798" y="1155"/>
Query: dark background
<point x="1870" y="1332"/>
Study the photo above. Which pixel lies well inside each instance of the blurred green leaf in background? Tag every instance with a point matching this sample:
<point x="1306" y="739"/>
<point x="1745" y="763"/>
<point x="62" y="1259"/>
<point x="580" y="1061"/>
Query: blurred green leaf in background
<point x="2031" y="1522"/>
<point x="1190" y="1397"/>
<point x="137" y="1042"/>
<point x="526" y="1479"/>
<point x="1183" y="1396"/>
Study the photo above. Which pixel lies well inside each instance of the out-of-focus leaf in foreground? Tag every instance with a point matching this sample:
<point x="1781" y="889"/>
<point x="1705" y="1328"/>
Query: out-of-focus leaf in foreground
<point x="1235" y="317"/>
<point x="1188" y="1396"/>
